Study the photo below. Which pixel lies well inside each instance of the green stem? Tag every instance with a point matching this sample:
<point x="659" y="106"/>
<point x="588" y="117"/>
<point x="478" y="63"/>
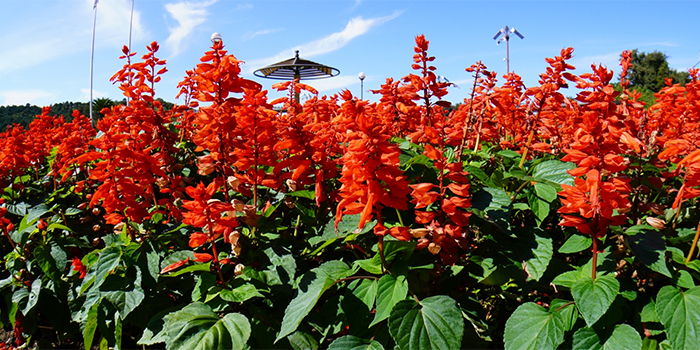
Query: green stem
<point x="695" y="243"/>
<point x="398" y="213"/>
<point x="385" y="266"/>
<point x="595" y="257"/>
<point x="515" y="194"/>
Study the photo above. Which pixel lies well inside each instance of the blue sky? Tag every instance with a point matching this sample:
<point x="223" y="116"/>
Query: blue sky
<point x="45" y="44"/>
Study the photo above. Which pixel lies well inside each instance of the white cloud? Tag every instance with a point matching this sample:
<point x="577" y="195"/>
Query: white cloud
<point x="667" y="44"/>
<point x="22" y="97"/>
<point x="355" y="27"/>
<point x="251" y="35"/>
<point x="113" y="17"/>
<point x="188" y="15"/>
<point x="95" y="94"/>
<point x="39" y="41"/>
<point x="335" y="84"/>
<point x="611" y="61"/>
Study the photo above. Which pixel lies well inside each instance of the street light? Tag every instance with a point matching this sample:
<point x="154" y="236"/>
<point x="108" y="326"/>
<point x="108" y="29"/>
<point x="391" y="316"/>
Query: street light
<point x="215" y="38"/>
<point x="506" y="35"/>
<point x="362" y="84"/>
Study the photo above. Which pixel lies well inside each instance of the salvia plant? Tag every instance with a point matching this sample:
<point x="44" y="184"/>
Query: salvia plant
<point x="520" y="218"/>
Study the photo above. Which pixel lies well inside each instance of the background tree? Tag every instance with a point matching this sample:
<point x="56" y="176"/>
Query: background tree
<point x="648" y="73"/>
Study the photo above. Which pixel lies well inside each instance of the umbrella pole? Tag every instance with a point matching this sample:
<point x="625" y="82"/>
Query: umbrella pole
<point x="297" y="77"/>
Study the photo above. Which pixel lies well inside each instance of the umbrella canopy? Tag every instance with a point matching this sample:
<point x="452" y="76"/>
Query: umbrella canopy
<point x="296" y="68"/>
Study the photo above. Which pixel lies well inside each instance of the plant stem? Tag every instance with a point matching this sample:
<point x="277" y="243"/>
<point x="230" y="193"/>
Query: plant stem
<point x="595" y="257"/>
<point x="565" y="305"/>
<point x="385" y="266"/>
<point x="695" y="243"/>
<point x="398" y="213"/>
<point x="515" y="194"/>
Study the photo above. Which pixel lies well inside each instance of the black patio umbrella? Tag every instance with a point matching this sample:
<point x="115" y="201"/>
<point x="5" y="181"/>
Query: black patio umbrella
<point x="296" y="68"/>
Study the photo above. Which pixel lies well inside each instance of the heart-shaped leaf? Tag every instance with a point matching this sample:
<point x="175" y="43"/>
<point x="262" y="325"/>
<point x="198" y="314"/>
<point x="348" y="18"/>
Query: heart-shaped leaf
<point x="351" y="342"/>
<point x="679" y="312"/>
<point x="435" y="323"/>
<point x="624" y="337"/>
<point x="390" y="290"/>
<point x="198" y="327"/>
<point x="594" y="297"/>
<point x="531" y="327"/>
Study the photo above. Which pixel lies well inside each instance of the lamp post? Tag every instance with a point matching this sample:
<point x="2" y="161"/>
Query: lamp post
<point x="362" y="86"/>
<point x="215" y="38"/>
<point x="506" y="36"/>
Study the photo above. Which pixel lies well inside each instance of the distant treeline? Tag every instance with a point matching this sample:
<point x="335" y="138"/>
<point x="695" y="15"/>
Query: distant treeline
<point x="24" y="115"/>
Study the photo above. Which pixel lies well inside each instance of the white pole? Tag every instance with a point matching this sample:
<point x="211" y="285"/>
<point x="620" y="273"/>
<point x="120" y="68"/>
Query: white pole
<point x="92" y="59"/>
<point x="131" y="20"/>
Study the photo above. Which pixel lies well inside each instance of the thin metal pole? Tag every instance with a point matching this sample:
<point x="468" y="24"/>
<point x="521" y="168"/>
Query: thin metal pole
<point x="92" y="61"/>
<point x="507" y="54"/>
<point x="362" y="89"/>
<point x="131" y="20"/>
<point x="297" y="77"/>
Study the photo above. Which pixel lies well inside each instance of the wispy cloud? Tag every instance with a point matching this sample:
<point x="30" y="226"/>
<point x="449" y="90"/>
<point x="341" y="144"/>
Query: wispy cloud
<point x="355" y="27"/>
<point x="666" y="44"/>
<point x="611" y="61"/>
<point x="95" y="94"/>
<point x="37" y="42"/>
<point x="21" y="97"/>
<point x="188" y="15"/>
<point x="251" y="35"/>
<point x="335" y="84"/>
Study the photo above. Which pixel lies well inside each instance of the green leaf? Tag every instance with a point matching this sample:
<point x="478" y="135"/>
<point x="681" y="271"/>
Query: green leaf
<point x="435" y="323"/>
<point x="390" y="290"/>
<point x="575" y="244"/>
<point x="393" y="249"/>
<point x="649" y="247"/>
<point x="55" y="226"/>
<point x="493" y="205"/>
<point x="679" y="312"/>
<point x="26" y="298"/>
<point x="302" y="341"/>
<point x="303" y="194"/>
<point x="351" y="342"/>
<point x="648" y="313"/>
<point x="531" y="327"/>
<point x="594" y="297"/>
<point x="33" y="296"/>
<point x="90" y="326"/>
<point x="47" y="263"/>
<point x="284" y="261"/>
<point x="154" y="332"/>
<point x="197" y="327"/>
<point x="108" y="261"/>
<point x="535" y="248"/>
<point x="366" y="290"/>
<point x="125" y="294"/>
<point x="191" y="268"/>
<point x="568" y="311"/>
<point x="32" y="216"/>
<point x="311" y="286"/>
<point x="373" y="266"/>
<point x="684" y="279"/>
<point x="349" y="224"/>
<point x="624" y="337"/>
<point x="553" y="171"/>
<point x="241" y="293"/>
<point x="73" y="211"/>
